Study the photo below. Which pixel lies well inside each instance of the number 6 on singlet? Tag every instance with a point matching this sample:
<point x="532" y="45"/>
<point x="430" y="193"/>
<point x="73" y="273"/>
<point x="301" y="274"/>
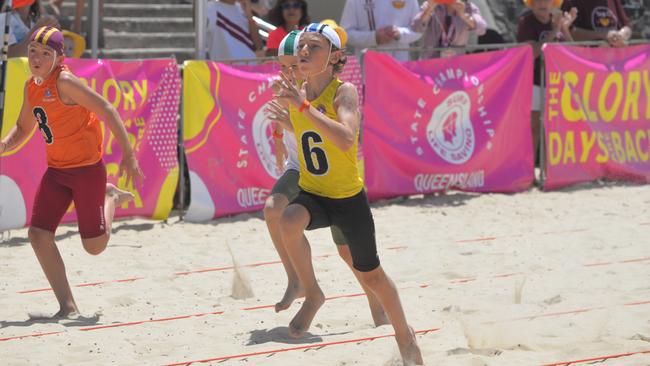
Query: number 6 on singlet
<point x="315" y="157"/>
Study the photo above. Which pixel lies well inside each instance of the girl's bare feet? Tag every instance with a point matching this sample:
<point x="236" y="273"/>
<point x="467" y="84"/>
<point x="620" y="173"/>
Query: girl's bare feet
<point x="119" y="195"/>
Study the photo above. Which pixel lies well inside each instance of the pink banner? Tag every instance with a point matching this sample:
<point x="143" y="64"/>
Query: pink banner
<point x="451" y="123"/>
<point x="230" y="153"/>
<point x="597" y="114"/>
<point x="228" y="136"/>
<point x="147" y="95"/>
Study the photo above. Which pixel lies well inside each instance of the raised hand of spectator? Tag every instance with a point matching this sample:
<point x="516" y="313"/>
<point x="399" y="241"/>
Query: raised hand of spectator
<point x="568" y="18"/>
<point x="616" y="39"/>
<point x="385" y="35"/>
<point x="458" y="8"/>
<point x="556" y="20"/>
<point x="246" y="7"/>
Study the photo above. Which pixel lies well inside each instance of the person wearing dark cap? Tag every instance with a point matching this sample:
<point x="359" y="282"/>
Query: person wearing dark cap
<point x="66" y="111"/>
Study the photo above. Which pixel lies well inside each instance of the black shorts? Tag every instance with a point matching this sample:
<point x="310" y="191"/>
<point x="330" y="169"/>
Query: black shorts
<point x="352" y="215"/>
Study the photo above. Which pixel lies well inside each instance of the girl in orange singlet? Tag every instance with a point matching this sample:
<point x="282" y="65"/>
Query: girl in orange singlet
<point x="66" y="112"/>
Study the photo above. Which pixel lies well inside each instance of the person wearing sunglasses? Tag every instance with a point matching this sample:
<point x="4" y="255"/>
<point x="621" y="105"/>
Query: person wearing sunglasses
<point x="286" y="15"/>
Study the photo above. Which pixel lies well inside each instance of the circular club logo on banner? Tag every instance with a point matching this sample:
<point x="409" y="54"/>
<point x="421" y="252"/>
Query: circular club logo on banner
<point x="450" y="132"/>
<point x="459" y="125"/>
<point x="263" y="137"/>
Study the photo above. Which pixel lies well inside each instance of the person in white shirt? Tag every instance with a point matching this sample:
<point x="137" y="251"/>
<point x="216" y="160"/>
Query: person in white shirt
<point x="382" y="23"/>
<point x="25" y="19"/>
<point x="231" y="32"/>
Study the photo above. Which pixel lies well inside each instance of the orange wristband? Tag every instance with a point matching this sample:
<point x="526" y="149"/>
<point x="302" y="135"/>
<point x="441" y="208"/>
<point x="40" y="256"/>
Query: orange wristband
<point x="305" y="104"/>
<point x="278" y="135"/>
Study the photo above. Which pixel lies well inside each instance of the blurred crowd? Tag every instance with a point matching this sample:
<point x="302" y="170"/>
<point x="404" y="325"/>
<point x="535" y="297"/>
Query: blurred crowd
<point x="408" y="28"/>
<point x="29" y="15"/>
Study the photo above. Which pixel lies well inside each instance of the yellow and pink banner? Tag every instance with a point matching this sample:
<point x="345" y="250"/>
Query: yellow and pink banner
<point x="597" y="114"/>
<point x="227" y="137"/>
<point x="145" y="93"/>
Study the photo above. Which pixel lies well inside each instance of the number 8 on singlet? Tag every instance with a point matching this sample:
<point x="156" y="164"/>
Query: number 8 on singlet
<point x="315" y="157"/>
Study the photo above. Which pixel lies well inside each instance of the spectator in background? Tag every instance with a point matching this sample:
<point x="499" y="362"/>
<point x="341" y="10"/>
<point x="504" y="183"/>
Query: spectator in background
<point x="447" y="25"/>
<point x="26" y="18"/>
<point x="55" y="9"/>
<point x="600" y="20"/>
<point x="286" y="15"/>
<point x="231" y="30"/>
<point x="544" y="23"/>
<point x="382" y="23"/>
<point x="77" y="25"/>
<point x="261" y="7"/>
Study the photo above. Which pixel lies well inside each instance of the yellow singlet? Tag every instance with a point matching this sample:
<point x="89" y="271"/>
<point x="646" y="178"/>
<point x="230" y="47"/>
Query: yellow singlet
<point x="325" y="169"/>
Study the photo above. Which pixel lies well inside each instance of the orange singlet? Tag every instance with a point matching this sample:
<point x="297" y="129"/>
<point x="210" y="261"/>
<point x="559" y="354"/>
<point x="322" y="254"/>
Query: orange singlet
<point x="72" y="133"/>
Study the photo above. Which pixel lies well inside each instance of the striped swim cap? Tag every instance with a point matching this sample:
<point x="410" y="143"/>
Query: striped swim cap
<point x="289" y="44"/>
<point x="326" y="30"/>
<point x="49" y="36"/>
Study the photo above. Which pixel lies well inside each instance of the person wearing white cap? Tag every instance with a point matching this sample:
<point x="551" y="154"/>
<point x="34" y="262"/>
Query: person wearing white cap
<point x="286" y="188"/>
<point x="324" y="115"/>
<point x="381" y="23"/>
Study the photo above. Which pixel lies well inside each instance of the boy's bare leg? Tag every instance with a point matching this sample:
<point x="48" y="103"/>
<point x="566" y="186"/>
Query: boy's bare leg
<point x="377" y="312"/>
<point x="273" y="209"/>
<point x="295" y="219"/>
<point x="51" y="262"/>
<point x="386" y="292"/>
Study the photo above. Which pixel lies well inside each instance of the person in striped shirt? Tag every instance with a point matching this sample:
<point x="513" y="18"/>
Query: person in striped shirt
<point x="231" y="31"/>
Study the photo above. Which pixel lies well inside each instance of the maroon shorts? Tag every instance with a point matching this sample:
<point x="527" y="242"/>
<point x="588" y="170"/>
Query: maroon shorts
<point x="86" y="186"/>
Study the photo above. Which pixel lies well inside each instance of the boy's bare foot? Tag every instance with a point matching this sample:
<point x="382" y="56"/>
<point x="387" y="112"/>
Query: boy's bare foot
<point x="409" y="350"/>
<point x="120" y="195"/>
<point x="66" y="313"/>
<point x="294" y="291"/>
<point x="302" y="321"/>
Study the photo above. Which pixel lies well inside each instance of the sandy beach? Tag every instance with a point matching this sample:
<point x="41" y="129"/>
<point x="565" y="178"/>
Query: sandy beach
<point x="528" y="279"/>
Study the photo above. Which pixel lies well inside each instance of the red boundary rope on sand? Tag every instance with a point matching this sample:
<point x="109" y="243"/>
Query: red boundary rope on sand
<point x="424" y="285"/>
<point x="159" y="320"/>
<point x="310" y="346"/>
<point x="492" y="238"/>
<point x="601" y="358"/>
<point x="216" y="269"/>
<point x="260" y="264"/>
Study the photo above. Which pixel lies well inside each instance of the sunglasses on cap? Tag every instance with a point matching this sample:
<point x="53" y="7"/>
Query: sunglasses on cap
<point x="291" y="5"/>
